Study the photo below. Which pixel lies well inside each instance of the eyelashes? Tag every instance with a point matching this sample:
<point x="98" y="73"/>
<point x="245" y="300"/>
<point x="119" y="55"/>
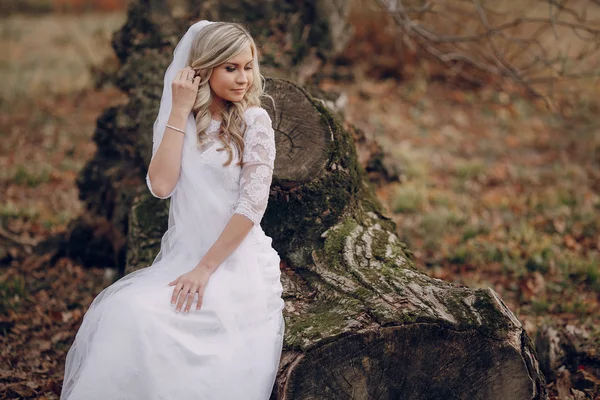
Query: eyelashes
<point x="231" y="69"/>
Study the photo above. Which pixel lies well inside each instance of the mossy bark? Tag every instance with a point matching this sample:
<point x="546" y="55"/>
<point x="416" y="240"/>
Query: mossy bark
<point x="361" y="320"/>
<point x="147" y="223"/>
<point x="144" y="46"/>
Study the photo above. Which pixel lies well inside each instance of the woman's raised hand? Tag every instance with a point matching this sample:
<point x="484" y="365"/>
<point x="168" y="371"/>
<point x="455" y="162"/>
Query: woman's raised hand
<point x="185" y="89"/>
<point x="187" y="285"/>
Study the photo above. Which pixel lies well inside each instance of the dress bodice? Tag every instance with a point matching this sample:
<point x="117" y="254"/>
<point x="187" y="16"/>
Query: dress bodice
<point x="207" y="160"/>
<point x="208" y="192"/>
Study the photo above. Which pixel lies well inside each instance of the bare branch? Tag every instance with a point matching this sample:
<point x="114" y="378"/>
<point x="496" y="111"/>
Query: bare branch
<point x="532" y="46"/>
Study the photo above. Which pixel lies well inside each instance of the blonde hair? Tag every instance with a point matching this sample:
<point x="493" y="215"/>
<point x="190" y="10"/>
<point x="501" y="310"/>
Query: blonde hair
<point x="214" y="45"/>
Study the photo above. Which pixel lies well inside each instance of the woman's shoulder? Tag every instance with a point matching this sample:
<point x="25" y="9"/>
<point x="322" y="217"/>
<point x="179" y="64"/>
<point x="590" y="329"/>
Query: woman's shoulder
<point x="251" y="114"/>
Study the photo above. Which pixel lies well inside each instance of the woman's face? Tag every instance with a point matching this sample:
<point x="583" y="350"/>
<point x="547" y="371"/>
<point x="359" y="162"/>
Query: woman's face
<point x="231" y="80"/>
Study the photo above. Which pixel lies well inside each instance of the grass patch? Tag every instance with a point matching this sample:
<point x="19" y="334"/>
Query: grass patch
<point x="413" y="162"/>
<point x="53" y="54"/>
<point x="409" y="198"/>
<point x="12" y="291"/>
<point x="580" y="269"/>
<point x="469" y="169"/>
<point x="437" y="223"/>
<point x="26" y="176"/>
<point x="9" y="210"/>
<point x="473" y="230"/>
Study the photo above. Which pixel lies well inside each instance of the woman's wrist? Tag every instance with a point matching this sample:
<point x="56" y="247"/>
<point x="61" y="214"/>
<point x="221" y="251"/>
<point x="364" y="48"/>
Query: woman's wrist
<point x="205" y="267"/>
<point x="178" y="119"/>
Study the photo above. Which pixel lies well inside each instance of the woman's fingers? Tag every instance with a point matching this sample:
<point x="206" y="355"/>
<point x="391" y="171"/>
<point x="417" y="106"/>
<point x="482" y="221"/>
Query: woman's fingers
<point x="185" y="74"/>
<point x="176" y="291"/>
<point x="185" y="291"/>
<point x="190" y="298"/>
<point x="190" y="74"/>
<point x="200" y="296"/>
<point x="183" y="294"/>
<point x="186" y="295"/>
<point x="185" y="90"/>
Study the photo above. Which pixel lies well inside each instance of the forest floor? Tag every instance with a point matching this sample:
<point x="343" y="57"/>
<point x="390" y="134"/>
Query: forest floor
<point x="494" y="191"/>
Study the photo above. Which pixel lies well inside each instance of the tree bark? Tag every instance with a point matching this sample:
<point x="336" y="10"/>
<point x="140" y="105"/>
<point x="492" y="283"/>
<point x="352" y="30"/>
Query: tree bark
<point x="362" y="322"/>
<point x="144" y="46"/>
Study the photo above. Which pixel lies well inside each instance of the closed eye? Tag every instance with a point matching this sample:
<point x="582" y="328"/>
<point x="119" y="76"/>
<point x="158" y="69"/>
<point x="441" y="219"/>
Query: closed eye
<point x="231" y="69"/>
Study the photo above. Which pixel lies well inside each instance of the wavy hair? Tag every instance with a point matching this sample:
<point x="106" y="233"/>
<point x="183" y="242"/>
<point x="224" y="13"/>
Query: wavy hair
<point x="214" y="45"/>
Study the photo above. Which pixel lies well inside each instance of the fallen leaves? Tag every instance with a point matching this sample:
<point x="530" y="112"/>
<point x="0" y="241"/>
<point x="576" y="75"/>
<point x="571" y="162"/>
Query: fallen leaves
<point x="38" y="331"/>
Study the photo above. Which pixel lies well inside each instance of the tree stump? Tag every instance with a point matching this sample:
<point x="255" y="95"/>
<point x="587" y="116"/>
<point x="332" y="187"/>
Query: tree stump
<point x="362" y="322"/>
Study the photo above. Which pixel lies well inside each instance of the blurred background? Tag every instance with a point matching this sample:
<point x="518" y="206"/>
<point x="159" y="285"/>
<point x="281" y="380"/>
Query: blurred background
<point x="477" y="122"/>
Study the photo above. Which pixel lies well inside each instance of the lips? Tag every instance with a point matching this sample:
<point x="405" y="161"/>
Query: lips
<point x="239" y="90"/>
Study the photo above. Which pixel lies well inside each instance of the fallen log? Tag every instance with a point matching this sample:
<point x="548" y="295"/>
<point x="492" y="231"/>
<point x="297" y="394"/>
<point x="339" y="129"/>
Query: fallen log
<point x="362" y="321"/>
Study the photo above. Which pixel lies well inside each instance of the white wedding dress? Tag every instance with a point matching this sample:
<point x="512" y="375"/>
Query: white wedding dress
<point x="133" y="345"/>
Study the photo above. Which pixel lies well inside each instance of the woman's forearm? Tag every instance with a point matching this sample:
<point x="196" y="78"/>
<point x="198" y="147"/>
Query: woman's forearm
<point x="164" y="168"/>
<point x="232" y="236"/>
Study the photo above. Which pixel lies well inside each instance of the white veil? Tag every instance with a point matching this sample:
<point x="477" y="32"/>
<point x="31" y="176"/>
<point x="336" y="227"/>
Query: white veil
<point x="177" y="234"/>
<point x="180" y="58"/>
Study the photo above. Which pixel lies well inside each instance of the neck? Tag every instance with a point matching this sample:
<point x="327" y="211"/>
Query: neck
<point x="215" y="107"/>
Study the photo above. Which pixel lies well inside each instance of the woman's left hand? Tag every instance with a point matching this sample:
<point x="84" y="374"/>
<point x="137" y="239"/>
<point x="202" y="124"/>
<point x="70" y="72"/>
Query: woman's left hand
<point x="187" y="285"/>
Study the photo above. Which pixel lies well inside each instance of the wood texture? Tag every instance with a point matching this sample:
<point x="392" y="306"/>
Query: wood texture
<point x="302" y="136"/>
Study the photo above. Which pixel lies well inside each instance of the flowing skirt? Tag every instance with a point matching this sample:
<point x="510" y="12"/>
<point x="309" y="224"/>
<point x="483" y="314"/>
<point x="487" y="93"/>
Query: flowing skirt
<point x="133" y="345"/>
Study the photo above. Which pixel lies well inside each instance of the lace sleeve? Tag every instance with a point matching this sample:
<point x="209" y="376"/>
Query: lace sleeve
<point x="257" y="172"/>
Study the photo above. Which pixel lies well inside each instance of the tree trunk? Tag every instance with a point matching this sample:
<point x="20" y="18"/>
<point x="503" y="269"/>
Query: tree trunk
<point x="362" y="321"/>
<point x="291" y="35"/>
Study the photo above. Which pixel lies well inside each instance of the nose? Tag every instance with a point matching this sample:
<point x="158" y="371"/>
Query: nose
<point x="242" y="79"/>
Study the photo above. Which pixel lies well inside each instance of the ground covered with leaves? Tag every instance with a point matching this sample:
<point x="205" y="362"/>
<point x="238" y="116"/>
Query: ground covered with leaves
<point x="492" y="191"/>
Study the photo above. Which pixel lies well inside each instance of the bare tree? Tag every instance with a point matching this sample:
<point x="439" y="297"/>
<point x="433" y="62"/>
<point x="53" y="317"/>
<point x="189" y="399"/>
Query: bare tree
<point x="543" y="45"/>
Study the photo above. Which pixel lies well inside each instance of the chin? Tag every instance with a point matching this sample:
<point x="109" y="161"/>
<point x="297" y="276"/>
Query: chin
<point x="235" y="99"/>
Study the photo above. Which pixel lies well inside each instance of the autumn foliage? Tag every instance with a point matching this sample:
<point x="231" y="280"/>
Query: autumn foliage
<point x="490" y="189"/>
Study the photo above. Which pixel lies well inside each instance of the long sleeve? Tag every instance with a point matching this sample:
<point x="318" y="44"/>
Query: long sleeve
<point x="259" y="159"/>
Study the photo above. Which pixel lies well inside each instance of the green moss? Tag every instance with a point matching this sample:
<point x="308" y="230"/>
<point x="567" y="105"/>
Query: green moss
<point x="454" y="300"/>
<point x="494" y="324"/>
<point x="388" y="270"/>
<point x="152" y="214"/>
<point x="336" y="240"/>
<point x="407" y="317"/>
<point x="379" y="245"/>
<point x="363" y="293"/>
<point x="324" y="319"/>
<point x="148" y="220"/>
<point x="296" y="221"/>
<point x="290" y="220"/>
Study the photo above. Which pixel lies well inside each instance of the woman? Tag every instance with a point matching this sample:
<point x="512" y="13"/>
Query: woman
<point x="204" y="321"/>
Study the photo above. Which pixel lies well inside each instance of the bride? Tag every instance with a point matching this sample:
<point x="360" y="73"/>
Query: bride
<point x="204" y="321"/>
